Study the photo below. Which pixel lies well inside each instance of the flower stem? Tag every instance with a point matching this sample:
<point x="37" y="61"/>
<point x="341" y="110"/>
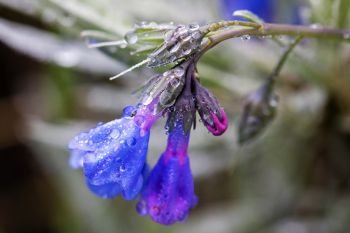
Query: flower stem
<point x="276" y="71"/>
<point x="284" y="57"/>
<point x="269" y="29"/>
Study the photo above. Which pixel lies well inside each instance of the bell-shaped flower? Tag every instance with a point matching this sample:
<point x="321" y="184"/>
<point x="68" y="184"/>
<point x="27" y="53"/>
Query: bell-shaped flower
<point x="213" y="116"/>
<point x="168" y="194"/>
<point x="113" y="154"/>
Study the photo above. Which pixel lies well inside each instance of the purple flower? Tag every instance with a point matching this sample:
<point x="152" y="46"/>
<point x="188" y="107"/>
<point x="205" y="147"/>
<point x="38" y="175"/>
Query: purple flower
<point x="212" y="115"/>
<point x="113" y="155"/>
<point x="168" y="194"/>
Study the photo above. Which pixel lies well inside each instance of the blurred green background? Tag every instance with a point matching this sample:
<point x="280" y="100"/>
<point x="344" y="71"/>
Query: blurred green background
<point x="295" y="178"/>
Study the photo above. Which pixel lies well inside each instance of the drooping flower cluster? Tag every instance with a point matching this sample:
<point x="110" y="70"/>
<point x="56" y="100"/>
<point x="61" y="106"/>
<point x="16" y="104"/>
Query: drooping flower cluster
<point x="113" y="155"/>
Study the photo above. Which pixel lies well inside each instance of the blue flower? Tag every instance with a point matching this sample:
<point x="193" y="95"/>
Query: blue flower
<point x="265" y="9"/>
<point x="268" y="10"/>
<point x="168" y="194"/>
<point x="113" y="156"/>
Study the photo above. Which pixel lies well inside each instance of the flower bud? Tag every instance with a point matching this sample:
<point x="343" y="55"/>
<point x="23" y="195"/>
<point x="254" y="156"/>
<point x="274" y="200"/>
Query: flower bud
<point x="166" y="87"/>
<point x="259" y="109"/>
<point x="178" y="43"/>
<point x="213" y="116"/>
<point x="183" y="111"/>
<point x="172" y="89"/>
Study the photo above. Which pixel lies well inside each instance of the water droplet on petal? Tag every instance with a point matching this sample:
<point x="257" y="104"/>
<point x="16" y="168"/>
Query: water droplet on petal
<point x="115" y="134"/>
<point x="122" y="168"/>
<point x="131" y="141"/>
<point x="129" y="111"/>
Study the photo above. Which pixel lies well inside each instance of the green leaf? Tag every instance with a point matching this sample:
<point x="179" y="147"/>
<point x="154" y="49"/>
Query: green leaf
<point x="248" y="15"/>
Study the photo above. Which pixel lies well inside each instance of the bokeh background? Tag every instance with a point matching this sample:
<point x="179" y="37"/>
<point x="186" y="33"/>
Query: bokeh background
<point x="295" y="178"/>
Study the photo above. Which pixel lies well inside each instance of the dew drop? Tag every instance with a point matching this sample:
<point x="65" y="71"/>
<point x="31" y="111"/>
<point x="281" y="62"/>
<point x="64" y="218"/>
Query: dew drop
<point x="131" y="37"/>
<point x="175" y="48"/>
<point x="316" y="26"/>
<point x="115" y="134"/>
<point x="193" y="26"/>
<point x="131" y="141"/>
<point x="245" y="37"/>
<point x="273" y="102"/>
<point x="129" y="111"/>
<point x="122" y="168"/>
<point x="179" y="72"/>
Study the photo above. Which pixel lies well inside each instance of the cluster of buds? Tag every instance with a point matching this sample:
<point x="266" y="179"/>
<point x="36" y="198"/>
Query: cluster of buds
<point x="179" y="43"/>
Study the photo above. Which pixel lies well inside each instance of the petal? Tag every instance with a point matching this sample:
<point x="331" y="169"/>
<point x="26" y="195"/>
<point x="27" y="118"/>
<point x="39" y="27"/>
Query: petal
<point x="168" y="195"/>
<point x="76" y="159"/>
<point x="110" y="190"/>
<point x="113" y="156"/>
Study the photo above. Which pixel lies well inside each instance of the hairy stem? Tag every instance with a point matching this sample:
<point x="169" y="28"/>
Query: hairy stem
<point x="269" y="29"/>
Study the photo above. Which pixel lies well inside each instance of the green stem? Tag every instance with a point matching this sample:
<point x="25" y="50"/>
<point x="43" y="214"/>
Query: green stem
<point x="276" y="71"/>
<point x="284" y="57"/>
<point x="269" y="29"/>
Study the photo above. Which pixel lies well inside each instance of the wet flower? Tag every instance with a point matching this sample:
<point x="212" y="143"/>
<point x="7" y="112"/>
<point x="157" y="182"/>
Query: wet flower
<point x="113" y="155"/>
<point x="213" y="116"/>
<point x="259" y="109"/>
<point x="168" y="194"/>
